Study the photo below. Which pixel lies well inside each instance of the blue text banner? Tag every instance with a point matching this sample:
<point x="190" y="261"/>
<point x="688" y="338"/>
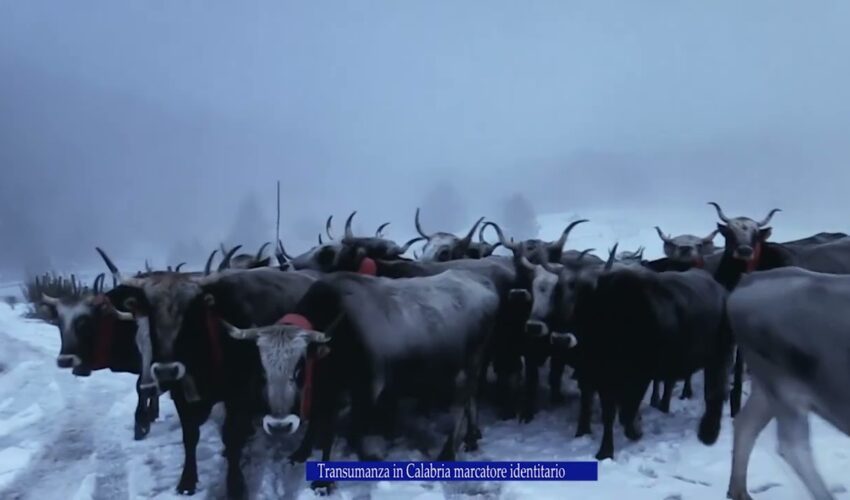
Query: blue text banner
<point x="452" y="471"/>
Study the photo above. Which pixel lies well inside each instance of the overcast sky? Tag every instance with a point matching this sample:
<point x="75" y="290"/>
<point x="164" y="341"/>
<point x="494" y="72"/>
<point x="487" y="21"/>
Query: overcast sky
<point x="139" y="123"/>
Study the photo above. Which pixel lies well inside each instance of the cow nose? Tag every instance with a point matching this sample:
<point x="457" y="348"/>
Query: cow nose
<point x="67" y="361"/>
<point x="281" y="426"/>
<point x="684" y="251"/>
<point x="535" y="328"/>
<point x="168" y="372"/>
<point x="745" y="251"/>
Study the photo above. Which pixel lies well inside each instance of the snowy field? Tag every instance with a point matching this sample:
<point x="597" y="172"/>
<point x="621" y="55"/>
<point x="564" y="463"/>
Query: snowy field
<point x="63" y="437"/>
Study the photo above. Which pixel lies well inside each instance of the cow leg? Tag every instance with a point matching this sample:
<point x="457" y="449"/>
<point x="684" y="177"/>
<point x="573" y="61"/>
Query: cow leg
<point x="473" y="431"/>
<point x="153" y="406"/>
<point x="609" y="413"/>
<point x="687" y="391"/>
<point x="669" y="384"/>
<point x="327" y="394"/>
<point x="507" y="368"/>
<point x="752" y="419"/>
<point x="586" y="406"/>
<point x="654" y="399"/>
<point x="142" y="422"/>
<point x="464" y="382"/>
<point x="630" y="412"/>
<point x="556" y="374"/>
<point x="737" y="384"/>
<point x="532" y="383"/>
<point x="715" y="389"/>
<point x="192" y="415"/>
<point x="792" y="430"/>
<point x="327" y="423"/>
<point x="361" y="413"/>
<point x="235" y="432"/>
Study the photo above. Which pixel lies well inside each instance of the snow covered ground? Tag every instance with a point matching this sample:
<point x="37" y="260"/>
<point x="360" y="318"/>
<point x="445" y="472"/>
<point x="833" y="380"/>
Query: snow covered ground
<point x="63" y="437"/>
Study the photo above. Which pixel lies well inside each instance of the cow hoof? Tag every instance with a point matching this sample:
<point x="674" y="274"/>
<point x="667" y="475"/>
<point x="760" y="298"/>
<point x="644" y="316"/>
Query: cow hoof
<point x="322" y="488"/>
<point x="476" y="434"/>
<point x="738" y="495"/>
<point x="140" y="432"/>
<point x="686" y="394"/>
<point x="507" y="414"/>
<point x="664" y="408"/>
<point x="582" y="431"/>
<point x="236" y="486"/>
<point x="470" y="444"/>
<point x="526" y="416"/>
<point x="709" y="430"/>
<point x="603" y="454"/>
<point x="633" y="434"/>
<point x="186" y="490"/>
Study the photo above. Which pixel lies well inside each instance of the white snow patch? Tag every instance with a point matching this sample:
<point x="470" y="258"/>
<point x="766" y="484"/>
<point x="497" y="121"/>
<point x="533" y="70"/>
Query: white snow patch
<point x="13" y="460"/>
<point x="31" y="415"/>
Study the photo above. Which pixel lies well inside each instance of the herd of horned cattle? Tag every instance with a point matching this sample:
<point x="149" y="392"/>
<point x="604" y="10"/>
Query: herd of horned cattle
<point x="354" y="323"/>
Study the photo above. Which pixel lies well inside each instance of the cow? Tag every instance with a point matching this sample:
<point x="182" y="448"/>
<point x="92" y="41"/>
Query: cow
<point x="442" y="246"/>
<point x="684" y="251"/>
<point x="533" y="350"/>
<point x="244" y="260"/>
<point x="95" y="336"/>
<point x="196" y="361"/>
<point x="378" y="334"/>
<point x="791" y="326"/>
<point x="481" y="248"/>
<point x="634" y="325"/>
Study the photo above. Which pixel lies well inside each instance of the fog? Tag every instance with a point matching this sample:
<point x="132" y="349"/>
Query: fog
<point x="143" y="125"/>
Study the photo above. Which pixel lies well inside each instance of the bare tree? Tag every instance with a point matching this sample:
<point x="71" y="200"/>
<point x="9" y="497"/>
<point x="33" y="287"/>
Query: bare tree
<point x="520" y="218"/>
<point x="444" y="209"/>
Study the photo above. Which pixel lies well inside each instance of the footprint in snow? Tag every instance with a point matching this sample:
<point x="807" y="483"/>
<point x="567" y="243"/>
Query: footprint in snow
<point x="765" y="487"/>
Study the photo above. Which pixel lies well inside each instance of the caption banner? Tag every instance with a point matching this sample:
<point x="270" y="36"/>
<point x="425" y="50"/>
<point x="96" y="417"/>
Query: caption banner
<point x="452" y="471"/>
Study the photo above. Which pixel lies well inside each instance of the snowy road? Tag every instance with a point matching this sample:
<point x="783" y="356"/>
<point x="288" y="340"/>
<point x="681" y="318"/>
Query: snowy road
<point x="63" y="437"/>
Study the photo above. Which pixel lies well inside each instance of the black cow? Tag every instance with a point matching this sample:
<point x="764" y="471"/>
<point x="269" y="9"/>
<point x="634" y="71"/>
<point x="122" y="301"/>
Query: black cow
<point x="96" y="336"/>
<point x="197" y="361"/>
<point x="634" y="326"/>
<point x="533" y="349"/>
<point x="377" y="335"/>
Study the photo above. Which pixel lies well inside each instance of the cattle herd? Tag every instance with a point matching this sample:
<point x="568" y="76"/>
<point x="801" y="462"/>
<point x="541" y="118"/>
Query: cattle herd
<point x="353" y="323"/>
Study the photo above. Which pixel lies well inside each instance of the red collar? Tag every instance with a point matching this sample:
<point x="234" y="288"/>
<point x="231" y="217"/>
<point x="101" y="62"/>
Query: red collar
<point x="368" y="266"/>
<point x="753" y="263"/>
<point x="699" y="262"/>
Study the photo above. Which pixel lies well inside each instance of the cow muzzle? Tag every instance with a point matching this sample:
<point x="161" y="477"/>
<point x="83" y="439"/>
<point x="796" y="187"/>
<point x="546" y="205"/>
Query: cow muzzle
<point x="281" y="426"/>
<point x="168" y="372"/>
<point x="68" y="361"/>
<point x="566" y="340"/>
<point x="536" y="328"/>
<point x="519" y="295"/>
<point x="744" y="252"/>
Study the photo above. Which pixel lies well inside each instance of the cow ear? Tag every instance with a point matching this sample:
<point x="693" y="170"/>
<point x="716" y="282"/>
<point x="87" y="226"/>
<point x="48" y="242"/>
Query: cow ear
<point x="322" y="350"/>
<point x="669" y="249"/>
<point x="765" y="233"/>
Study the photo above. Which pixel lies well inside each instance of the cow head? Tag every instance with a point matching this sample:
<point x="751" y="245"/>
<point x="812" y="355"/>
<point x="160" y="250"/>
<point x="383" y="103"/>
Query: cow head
<point x="744" y="236"/>
<point x="481" y="248"/>
<point x="244" y="260"/>
<point x="81" y="322"/>
<point x="442" y="246"/>
<point x="354" y="248"/>
<point x="687" y="248"/>
<point x="160" y="301"/>
<point x="287" y="352"/>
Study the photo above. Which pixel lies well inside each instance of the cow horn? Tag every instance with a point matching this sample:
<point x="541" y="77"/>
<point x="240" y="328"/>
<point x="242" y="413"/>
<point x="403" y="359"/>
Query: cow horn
<point x="766" y="220"/>
<point x="379" y="232"/>
<point x="560" y="242"/>
<point x="147" y="266"/>
<point x="116" y="274"/>
<point x="225" y="262"/>
<point x="98" y="283"/>
<point x="468" y="238"/>
<point x="505" y="243"/>
<point x="177" y="269"/>
<point x="611" y="257"/>
<point x="719" y="212"/>
<point x="328" y="227"/>
<point x="320" y="240"/>
<point x="419" y="226"/>
<point x="416" y="255"/>
<point x="584" y="253"/>
<point x="349" y="234"/>
<point x="481" y="235"/>
<point x="241" y="333"/>
<point x="47" y="299"/>
<point x="711" y="236"/>
<point x="665" y="239"/>
<point x="208" y="266"/>
<point x="639" y="252"/>
<point x="526" y="263"/>
<point x="404" y="248"/>
<point x="261" y="250"/>
<point x="317" y="337"/>
<point x="282" y="251"/>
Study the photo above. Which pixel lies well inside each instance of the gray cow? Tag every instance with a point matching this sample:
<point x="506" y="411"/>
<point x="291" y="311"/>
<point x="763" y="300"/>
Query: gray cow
<point x="793" y="329"/>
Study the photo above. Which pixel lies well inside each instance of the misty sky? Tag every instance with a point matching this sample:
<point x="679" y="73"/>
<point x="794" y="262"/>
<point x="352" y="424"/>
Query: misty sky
<point x="137" y="124"/>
